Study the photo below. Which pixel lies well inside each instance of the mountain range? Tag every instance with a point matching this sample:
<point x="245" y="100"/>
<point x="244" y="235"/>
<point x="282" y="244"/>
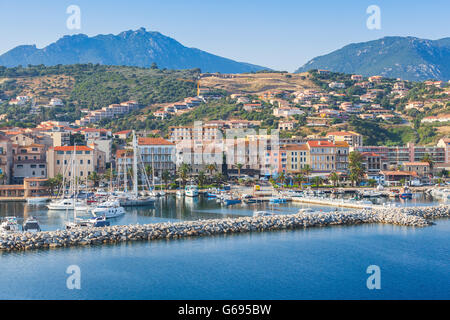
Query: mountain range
<point x="138" y="48"/>
<point x="407" y="58"/>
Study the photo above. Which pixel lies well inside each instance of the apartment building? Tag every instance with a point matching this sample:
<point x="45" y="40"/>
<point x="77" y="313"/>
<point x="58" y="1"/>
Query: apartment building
<point x="322" y="156"/>
<point x="445" y="144"/>
<point x="342" y="153"/>
<point x="293" y="158"/>
<point x="88" y="160"/>
<point x="28" y="162"/>
<point x="158" y="153"/>
<point x="6" y="159"/>
<point x="352" y="138"/>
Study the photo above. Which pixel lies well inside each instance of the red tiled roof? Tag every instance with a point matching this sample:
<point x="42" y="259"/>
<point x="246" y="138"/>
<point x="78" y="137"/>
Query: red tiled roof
<point x="154" y="141"/>
<point x="71" y="148"/>
<point x="320" y="143"/>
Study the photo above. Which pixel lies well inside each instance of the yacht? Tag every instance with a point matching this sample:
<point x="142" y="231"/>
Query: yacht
<point x="31" y="225"/>
<point x="109" y="210"/>
<point x="94" y="222"/>
<point x="9" y="225"/>
<point x="191" y="191"/>
<point x="371" y="194"/>
<point x="65" y="204"/>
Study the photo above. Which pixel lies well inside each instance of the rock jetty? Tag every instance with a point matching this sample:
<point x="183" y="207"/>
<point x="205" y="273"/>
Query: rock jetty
<point x="414" y="217"/>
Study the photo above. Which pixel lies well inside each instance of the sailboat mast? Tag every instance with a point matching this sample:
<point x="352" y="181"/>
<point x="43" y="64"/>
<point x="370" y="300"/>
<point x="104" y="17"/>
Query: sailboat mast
<point x="75" y="181"/>
<point x="135" y="166"/>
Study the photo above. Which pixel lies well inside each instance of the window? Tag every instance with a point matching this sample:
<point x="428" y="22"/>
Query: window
<point x="57" y="162"/>
<point x="89" y="161"/>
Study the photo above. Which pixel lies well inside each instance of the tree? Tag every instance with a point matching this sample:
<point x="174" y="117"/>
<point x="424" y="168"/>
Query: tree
<point x="166" y="177"/>
<point x="95" y="178"/>
<point x="239" y="167"/>
<point x="201" y="178"/>
<point x="183" y="173"/>
<point x="427" y="158"/>
<point x="334" y="177"/>
<point x="211" y="168"/>
<point x="154" y="66"/>
<point x="307" y="171"/>
<point x="299" y="179"/>
<point x="282" y="178"/>
<point x="355" y="167"/>
<point x="219" y="178"/>
<point x="317" y="181"/>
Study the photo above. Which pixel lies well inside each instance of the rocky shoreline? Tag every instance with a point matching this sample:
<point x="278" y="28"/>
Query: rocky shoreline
<point x="413" y="217"/>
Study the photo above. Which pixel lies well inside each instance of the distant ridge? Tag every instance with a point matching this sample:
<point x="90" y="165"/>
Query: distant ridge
<point x="138" y="48"/>
<point x="408" y="58"/>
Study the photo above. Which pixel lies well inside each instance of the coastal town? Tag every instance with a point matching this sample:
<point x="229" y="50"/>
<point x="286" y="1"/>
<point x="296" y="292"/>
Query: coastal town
<point x="33" y="159"/>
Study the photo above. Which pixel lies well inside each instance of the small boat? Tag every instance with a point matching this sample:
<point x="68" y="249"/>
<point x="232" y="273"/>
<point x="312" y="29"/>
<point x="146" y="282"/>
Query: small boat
<point x="231" y="201"/>
<point x="263" y="213"/>
<point x="191" y="191"/>
<point x="211" y="195"/>
<point x="405" y="193"/>
<point x="65" y="204"/>
<point x="9" y="225"/>
<point x="277" y="200"/>
<point x="109" y="210"/>
<point x="371" y="194"/>
<point x="95" y="222"/>
<point x="31" y="225"/>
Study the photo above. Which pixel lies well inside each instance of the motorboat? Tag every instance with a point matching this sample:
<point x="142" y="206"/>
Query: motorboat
<point x="405" y="193"/>
<point x="371" y="194"/>
<point x="108" y="209"/>
<point x="9" y="225"/>
<point x="191" y="191"/>
<point x="277" y="200"/>
<point x="263" y="213"/>
<point x="65" y="204"/>
<point x="31" y="225"/>
<point x="94" y="222"/>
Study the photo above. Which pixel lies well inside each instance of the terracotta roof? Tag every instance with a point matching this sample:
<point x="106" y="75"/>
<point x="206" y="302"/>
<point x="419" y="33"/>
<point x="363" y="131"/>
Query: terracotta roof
<point x="70" y="148"/>
<point x="398" y="173"/>
<point x="370" y="154"/>
<point x="123" y="132"/>
<point x="417" y="163"/>
<point x="294" y="147"/>
<point x="342" y="133"/>
<point x="341" y="144"/>
<point x="320" y="143"/>
<point x="154" y="141"/>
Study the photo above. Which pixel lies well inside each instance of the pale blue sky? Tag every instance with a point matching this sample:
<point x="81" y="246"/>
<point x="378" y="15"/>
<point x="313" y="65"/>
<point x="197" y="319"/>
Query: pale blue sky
<point x="282" y="34"/>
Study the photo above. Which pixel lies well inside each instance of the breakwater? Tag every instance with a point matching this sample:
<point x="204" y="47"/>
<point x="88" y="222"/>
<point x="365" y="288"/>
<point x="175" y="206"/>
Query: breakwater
<point x="414" y="217"/>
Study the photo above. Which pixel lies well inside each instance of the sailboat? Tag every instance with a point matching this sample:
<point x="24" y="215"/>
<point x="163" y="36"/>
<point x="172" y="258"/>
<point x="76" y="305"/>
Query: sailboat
<point x="132" y="199"/>
<point x="63" y="204"/>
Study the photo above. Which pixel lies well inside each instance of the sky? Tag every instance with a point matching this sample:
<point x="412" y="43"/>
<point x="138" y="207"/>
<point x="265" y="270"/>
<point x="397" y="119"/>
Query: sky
<point x="282" y="34"/>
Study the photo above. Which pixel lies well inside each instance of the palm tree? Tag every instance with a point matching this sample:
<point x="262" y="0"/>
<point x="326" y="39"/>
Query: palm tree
<point x="334" y="177"/>
<point x="307" y="171"/>
<point x="317" y="181"/>
<point x="282" y="178"/>
<point x="219" y="178"/>
<point x="95" y="178"/>
<point x="201" y="178"/>
<point x="427" y="158"/>
<point x="356" y="167"/>
<point x="183" y="173"/>
<point x="299" y="179"/>
<point x="166" y="177"/>
<point x="211" y="168"/>
<point x="239" y="167"/>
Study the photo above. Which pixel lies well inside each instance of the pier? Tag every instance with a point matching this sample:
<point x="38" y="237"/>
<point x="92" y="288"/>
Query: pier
<point x="411" y="217"/>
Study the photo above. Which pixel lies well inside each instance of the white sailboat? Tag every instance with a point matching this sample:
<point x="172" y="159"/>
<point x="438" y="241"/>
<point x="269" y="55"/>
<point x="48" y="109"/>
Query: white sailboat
<point x="64" y="204"/>
<point x="132" y="199"/>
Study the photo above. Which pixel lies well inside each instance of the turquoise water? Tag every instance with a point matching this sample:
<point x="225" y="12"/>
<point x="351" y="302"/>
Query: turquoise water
<point x="326" y="263"/>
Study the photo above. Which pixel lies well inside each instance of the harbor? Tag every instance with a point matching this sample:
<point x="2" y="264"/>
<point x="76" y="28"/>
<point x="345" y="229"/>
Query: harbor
<point x="413" y="217"/>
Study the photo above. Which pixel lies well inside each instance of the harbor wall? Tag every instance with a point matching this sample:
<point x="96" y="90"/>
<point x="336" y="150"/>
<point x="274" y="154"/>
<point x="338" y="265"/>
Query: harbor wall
<point x="413" y="217"/>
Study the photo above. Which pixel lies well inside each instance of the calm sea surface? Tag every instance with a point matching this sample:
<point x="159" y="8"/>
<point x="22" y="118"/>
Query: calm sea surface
<point x="326" y="263"/>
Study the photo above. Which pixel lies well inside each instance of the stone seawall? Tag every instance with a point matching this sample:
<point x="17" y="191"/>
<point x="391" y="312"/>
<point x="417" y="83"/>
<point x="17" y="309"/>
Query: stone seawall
<point x="414" y="217"/>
